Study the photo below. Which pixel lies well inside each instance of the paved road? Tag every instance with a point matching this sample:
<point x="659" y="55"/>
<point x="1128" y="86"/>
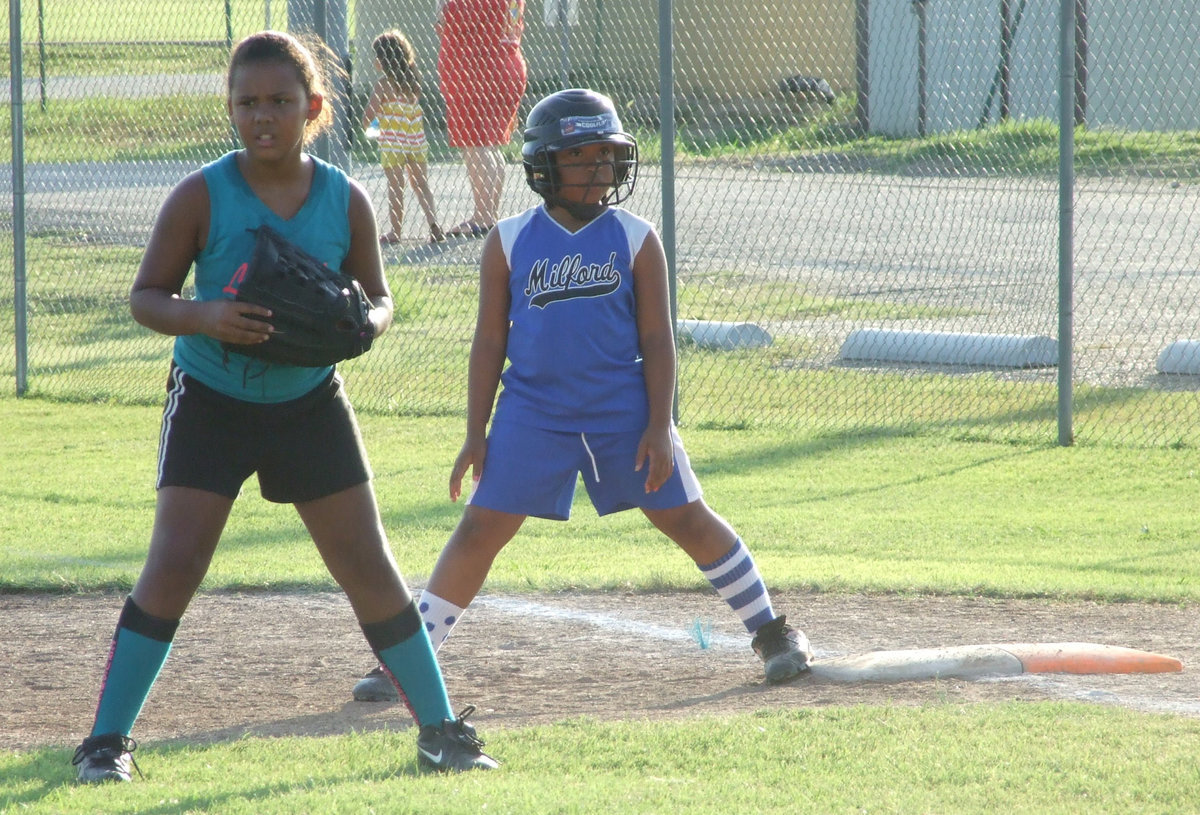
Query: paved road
<point x="982" y="252"/>
<point x="89" y="87"/>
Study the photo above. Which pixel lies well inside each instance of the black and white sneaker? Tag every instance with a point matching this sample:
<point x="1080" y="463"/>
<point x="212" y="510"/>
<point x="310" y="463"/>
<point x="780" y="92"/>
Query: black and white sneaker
<point x="375" y="687"/>
<point x="452" y="746"/>
<point x="784" y="650"/>
<point x="106" y="757"/>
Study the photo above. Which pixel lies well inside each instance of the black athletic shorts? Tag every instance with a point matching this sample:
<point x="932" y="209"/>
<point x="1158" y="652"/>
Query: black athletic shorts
<point x="302" y="449"/>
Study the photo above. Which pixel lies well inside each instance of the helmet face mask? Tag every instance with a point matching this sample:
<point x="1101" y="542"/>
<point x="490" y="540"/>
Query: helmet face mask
<point x="575" y="118"/>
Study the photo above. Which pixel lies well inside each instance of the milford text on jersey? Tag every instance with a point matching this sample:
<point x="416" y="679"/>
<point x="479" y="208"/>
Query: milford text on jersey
<point x="569" y="279"/>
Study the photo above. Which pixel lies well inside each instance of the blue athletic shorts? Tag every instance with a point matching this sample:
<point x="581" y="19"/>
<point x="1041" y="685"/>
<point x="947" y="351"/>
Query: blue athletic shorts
<point x="302" y="449"/>
<point x="530" y="471"/>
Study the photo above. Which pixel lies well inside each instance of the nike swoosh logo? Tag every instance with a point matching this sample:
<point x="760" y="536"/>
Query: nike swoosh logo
<point x="436" y="758"/>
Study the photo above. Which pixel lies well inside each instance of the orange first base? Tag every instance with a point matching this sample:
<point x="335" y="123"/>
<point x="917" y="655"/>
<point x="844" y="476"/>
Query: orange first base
<point x="1089" y="658"/>
<point x="980" y="661"/>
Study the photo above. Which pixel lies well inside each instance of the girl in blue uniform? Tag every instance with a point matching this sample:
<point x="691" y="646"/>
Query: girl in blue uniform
<point x="228" y="416"/>
<point x="573" y="294"/>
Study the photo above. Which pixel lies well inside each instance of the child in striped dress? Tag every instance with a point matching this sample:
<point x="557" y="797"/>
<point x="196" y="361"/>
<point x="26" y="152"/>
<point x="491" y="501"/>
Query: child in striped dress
<point x="403" y="153"/>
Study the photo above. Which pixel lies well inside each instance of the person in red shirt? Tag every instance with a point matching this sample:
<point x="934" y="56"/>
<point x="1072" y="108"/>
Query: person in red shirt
<point x="481" y="74"/>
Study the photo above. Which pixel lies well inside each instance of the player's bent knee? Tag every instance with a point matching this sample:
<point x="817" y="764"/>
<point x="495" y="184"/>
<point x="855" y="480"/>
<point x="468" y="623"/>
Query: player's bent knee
<point x="484" y="530"/>
<point x="685" y="522"/>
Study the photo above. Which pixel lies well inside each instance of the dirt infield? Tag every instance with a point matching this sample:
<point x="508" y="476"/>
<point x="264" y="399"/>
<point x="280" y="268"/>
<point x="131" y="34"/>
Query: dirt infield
<point x="283" y="664"/>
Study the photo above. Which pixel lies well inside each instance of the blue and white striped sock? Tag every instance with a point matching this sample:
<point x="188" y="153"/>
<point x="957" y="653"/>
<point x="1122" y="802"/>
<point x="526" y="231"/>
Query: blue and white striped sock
<point x="737" y="581"/>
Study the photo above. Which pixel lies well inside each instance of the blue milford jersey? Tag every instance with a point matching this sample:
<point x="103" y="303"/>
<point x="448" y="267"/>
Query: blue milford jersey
<point x="322" y="227"/>
<point x="573" y="353"/>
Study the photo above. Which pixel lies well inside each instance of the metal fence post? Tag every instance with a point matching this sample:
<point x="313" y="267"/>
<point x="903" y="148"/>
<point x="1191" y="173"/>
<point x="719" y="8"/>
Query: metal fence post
<point x="329" y="20"/>
<point x="666" y="118"/>
<point x="862" y="65"/>
<point x="1066" y="219"/>
<point x="17" y="79"/>
<point x="919" y="8"/>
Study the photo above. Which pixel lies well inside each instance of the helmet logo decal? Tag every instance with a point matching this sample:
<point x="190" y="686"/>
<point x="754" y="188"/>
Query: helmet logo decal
<point x="599" y="123"/>
<point x="569" y="279"/>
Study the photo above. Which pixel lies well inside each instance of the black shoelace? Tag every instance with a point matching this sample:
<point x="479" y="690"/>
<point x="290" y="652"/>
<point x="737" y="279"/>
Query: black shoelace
<point x="465" y="732"/>
<point x="112" y="745"/>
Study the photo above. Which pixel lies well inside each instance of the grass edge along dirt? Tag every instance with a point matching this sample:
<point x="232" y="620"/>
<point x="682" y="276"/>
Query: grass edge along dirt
<point x="1019" y="757"/>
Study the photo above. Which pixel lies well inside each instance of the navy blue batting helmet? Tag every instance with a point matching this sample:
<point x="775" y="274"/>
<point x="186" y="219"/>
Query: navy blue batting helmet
<point x="572" y="118"/>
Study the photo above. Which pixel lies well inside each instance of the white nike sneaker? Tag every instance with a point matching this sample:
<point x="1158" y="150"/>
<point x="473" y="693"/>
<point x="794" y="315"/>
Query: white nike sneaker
<point x="106" y="757"/>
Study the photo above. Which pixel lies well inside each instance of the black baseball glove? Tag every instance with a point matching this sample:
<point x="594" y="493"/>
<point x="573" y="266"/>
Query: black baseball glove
<point x="319" y="315"/>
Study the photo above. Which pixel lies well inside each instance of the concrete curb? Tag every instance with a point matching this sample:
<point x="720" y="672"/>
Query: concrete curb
<point x="994" y="350"/>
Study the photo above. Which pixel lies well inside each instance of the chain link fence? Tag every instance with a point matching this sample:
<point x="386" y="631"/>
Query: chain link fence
<point x="862" y="202"/>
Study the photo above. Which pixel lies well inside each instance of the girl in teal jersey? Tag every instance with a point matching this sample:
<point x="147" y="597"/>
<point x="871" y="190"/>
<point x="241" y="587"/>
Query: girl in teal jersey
<point x="228" y="416"/>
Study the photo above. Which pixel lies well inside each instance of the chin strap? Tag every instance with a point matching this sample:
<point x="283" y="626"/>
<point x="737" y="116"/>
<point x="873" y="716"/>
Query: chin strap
<point x="583" y="212"/>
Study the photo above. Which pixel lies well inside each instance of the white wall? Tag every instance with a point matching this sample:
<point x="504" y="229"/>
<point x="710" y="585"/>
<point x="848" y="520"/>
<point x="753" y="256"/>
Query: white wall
<point x="1143" y="64"/>
<point x="892" y="67"/>
<point x="967" y="52"/>
<point x="1142" y="59"/>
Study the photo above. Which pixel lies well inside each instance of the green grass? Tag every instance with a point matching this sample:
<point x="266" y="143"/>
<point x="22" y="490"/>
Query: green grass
<point x="77" y="59"/>
<point x="79" y="21"/>
<point x="157" y="128"/>
<point x="844" y="512"/>
<point x="84" y="343"/>
<point x="150" y="129"/>
<point x="1041" y="758"/>
<point x="831" y="512"/>
<point x="189" y="126"/>
<point x="711" y="295"/>
<point x="84" y="346"/>
<point x="131" y="37"/>
<point x="1026" y="147"/>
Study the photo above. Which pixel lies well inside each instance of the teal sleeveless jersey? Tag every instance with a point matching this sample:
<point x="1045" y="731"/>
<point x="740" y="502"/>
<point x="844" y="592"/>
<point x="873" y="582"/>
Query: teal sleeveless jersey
<point x="321" y="227"/>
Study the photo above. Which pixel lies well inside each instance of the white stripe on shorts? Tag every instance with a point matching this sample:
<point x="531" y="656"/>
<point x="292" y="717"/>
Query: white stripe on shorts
<point x="691" y="484"/>
<point x="591" y="458"/>
<point x="174" y="393"/>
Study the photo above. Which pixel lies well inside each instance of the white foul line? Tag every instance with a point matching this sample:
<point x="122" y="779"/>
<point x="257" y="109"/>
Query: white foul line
<point x="1057" y="688"/>
<point x="604" y="621"/>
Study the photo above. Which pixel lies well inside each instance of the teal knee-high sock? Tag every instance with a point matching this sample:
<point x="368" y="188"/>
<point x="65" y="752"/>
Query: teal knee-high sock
<point x="405" y="652"/>
<point x="139" y="648"/>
